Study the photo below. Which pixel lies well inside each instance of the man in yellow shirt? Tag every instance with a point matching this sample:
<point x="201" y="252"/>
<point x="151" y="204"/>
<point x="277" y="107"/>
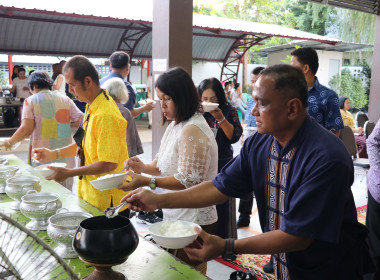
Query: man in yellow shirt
<point x="104" y="133"/>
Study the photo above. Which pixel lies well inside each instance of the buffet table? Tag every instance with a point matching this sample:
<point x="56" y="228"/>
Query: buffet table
<point x="147" y="262"/>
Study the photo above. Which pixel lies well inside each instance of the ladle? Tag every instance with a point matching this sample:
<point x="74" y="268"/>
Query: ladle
<point x="111" y="212"/>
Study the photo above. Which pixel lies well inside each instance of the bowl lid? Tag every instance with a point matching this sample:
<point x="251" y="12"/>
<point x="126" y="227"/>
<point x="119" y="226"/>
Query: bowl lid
<point x="7" y="168"/>
<point x="68" y="219"/>
<point x="43" y="197"/>
<point x="24" y="179"/>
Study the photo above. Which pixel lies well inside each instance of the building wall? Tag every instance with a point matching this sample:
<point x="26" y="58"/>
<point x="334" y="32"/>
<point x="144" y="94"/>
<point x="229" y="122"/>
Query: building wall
<point x="325" y="72"/>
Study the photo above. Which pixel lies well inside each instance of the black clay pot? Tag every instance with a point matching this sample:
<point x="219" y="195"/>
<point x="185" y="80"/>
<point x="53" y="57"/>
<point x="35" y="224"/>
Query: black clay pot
<point x="100" y="240"/>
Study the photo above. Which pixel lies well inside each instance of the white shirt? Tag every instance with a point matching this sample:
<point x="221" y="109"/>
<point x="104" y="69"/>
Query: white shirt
<point x="236" y="100"/>
<point x="62" y="88"/>
<point x="20" y="84"/>
<point x="189" y="152"/>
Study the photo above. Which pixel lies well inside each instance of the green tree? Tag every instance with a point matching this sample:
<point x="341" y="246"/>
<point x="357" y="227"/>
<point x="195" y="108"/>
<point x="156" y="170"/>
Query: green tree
<point x="350" y="86"/>
<point x="3" y="80"/>
<point x="311" y="17"/>
<point x="355" y="26"/>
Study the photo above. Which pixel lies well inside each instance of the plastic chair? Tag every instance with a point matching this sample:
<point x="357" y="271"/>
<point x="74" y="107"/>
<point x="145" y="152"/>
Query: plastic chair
<point x="348" y="139"/>
<point x="360" y="119"/>
<point x="368" y="128"/>
<point x="240" y="116"/>
<point x="140" y="96"/>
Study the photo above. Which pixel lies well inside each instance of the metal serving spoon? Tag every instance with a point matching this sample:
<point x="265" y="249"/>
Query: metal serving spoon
<point x="111" y="212"/>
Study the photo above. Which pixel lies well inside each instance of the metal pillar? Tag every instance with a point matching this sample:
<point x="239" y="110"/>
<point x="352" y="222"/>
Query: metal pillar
<point x="374" y="96"/>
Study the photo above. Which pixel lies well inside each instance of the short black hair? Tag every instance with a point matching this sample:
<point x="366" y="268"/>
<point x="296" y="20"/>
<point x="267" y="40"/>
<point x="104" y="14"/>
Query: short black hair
<point x="309" y="56"/>
<point x="288" y="80"/>
<point x="119" y="59"/>
<point x="40" y="79"/>
<point x="21" y="69"/>
<point x="177" y="84"/>
<point x="237" y="85"/>
<point x="227" y="83"/>
<point x="342" y="99"/>
<point x="257" y="70"/>
<point x="82" y="67"/>
<point x="216" y="86"/>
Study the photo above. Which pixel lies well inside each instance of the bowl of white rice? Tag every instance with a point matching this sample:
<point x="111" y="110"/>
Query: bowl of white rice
<point x="208" y="106"/>
<point x="44" y="171"/>
<point x="173" y="234"/>
<point x="109" y="181"/>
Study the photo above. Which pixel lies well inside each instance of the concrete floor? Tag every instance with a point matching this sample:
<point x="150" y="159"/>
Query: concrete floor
<point x="215" y="269"/>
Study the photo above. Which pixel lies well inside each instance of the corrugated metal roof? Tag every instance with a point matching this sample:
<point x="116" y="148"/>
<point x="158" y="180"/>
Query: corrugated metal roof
<point x="33" y="31"/>
<point x="339" y="47"/>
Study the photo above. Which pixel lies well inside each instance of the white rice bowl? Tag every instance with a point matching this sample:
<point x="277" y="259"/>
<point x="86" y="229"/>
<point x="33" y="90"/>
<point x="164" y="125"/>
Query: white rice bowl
<point x="208" y="106"/>
<point x="44" y="171"/>
<point x="109" y="181"/>
<point x="173" y="234"/>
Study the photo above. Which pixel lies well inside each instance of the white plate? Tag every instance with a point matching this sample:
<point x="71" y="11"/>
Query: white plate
<point x="207" y="106"/>
<point x="46" y="172"/>
<point x="172" y="242"/>
<point x="109" y="183"/>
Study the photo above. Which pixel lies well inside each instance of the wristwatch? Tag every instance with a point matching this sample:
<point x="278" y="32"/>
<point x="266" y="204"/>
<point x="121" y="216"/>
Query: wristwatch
<point x="152" y="183"/>
<point x="228" y="254"/>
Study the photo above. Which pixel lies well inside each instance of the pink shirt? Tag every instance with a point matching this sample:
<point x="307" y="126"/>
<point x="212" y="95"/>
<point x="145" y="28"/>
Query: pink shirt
<point x="52" y="114"/>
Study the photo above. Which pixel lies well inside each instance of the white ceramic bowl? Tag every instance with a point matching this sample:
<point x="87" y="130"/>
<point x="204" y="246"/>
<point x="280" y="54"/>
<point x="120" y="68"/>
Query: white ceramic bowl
<point x="46" y="172"/>
<point x="110" y="182"/>
<point x="146" y="101"/>
<point x="207" y="107"/>
<point x="172" y="242"/>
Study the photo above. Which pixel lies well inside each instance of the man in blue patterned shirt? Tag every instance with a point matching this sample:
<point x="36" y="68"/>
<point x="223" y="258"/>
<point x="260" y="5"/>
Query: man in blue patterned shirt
<point x="323" y="102"/>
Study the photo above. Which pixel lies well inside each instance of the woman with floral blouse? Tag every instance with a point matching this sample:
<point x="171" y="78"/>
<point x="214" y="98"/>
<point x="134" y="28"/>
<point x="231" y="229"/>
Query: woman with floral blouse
<point x="225" y="123"/>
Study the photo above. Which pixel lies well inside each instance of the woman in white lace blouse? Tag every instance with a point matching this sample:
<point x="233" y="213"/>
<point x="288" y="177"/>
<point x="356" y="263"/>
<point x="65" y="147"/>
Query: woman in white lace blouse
<point x="188" y="154"/>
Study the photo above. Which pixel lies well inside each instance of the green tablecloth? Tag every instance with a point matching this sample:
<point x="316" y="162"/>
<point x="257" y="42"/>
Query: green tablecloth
<point x="147" y="262"/>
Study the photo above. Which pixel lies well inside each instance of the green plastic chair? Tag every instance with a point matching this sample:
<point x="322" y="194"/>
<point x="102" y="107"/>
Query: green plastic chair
<point x="140" y="96"/>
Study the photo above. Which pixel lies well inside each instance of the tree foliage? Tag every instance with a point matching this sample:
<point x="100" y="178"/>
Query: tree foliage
<point x="3" y="80"/>
<point x="350" y="86"/>
<point x="344" y="24"/>
<point x="355" y="26"/>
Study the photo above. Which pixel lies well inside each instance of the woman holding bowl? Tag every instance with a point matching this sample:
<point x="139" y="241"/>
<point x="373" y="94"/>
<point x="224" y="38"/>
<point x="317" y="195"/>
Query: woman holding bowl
<point x="46" y="118"/>
<point x="187" y="155"/>
<point x="225" y="123"/>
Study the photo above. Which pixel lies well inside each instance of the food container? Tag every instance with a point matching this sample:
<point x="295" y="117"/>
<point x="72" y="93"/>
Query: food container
<point x="248" y="131"/>
<point x="62" y="228"/>
<point x="6" y="172"/>
<point x="101" y="240"/>
<point x="3" y="160"/>
<point x="17" y="187"/>
<point x="106" y="183"/>
<point x="39" y="207"/>
<point x="208" y="106"/>
<point x="46" y="172"/>
<point x="172" y="242"/>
